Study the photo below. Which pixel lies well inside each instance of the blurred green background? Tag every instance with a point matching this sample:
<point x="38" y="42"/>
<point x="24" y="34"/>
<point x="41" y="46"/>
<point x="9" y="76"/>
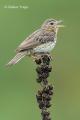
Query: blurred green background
<point x="18" y="85"/>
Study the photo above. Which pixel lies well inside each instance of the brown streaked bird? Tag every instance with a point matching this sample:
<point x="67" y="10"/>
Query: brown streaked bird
<point x="42" y="41"/>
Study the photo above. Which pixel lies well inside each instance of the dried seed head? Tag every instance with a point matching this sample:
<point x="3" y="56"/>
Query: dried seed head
<point x="41" y="105"/>
<point x="38" y="61"/>
<point x="48" y="104"/>
<point x="45" y="81"/>
<point x="39" y="98"/>
<point x="46" y="59"/>
<point x="50" y="87"/>
<point x="40" y="92"/>
<point x="50" y="92"/>
<point x="44" y="95"/>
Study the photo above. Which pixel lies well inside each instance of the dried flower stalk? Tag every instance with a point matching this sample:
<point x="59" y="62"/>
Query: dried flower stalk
<point x="44" y="95"/>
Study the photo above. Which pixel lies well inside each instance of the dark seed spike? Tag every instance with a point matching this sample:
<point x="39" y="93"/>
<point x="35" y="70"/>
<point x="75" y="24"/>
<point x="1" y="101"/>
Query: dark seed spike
<point x="44" y="95"/>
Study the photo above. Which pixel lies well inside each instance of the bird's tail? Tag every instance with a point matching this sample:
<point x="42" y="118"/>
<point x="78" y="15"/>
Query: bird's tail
<point x="17" y="58"/>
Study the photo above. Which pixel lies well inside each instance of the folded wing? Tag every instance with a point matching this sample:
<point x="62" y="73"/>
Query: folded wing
<point x="30" y="42"/>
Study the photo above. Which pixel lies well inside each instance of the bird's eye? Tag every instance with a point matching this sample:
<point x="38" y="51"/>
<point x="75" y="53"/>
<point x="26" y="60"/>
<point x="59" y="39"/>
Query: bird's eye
<point x="51" y="23"/>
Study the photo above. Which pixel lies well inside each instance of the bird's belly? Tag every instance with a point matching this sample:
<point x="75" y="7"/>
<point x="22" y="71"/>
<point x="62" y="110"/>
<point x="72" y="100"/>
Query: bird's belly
<point x="46" y="47"/>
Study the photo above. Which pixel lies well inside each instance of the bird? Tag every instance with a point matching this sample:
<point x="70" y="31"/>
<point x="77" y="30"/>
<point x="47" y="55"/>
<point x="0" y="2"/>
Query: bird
<point x="42" y="41"/>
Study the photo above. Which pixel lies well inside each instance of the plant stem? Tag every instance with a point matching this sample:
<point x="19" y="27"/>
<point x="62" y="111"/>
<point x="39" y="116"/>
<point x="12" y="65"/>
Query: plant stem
<point x="44" y="95"/>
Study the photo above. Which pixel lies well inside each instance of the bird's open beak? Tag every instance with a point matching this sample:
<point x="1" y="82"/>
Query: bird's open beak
<point x="58" y="23"/>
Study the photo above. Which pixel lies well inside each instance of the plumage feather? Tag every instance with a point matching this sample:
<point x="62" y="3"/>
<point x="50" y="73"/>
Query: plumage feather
<point x="16" y="59"/>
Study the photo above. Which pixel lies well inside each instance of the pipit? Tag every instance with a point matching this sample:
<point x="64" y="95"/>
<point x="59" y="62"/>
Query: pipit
<point x="42" y="41"/>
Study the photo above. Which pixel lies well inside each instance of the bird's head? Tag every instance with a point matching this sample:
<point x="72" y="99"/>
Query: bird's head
<point x="52" y="25"/>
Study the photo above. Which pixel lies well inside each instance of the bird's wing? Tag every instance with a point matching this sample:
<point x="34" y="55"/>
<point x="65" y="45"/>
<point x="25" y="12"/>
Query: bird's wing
<point x="30" y="42"/>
